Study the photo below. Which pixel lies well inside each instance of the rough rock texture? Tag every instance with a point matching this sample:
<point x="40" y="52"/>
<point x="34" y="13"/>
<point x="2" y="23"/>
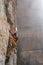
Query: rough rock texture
<point x="7" y="15"/>
<point x="11" y="13"/>
<point x="4" y="32"/>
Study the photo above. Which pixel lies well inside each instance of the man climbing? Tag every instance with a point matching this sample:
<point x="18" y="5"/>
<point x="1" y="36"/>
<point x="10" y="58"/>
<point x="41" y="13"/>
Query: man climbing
<point x="11" y="56"/>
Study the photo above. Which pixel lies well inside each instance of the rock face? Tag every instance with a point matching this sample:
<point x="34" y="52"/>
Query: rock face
<point x="4" y="32"/>
<point x="10" y="12"/>
<point x="6" y="19"/>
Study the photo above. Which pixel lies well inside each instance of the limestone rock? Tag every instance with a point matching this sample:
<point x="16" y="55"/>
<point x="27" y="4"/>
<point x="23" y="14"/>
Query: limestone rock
<point x="7" y="14"/>
<point x="4" y="32"/>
